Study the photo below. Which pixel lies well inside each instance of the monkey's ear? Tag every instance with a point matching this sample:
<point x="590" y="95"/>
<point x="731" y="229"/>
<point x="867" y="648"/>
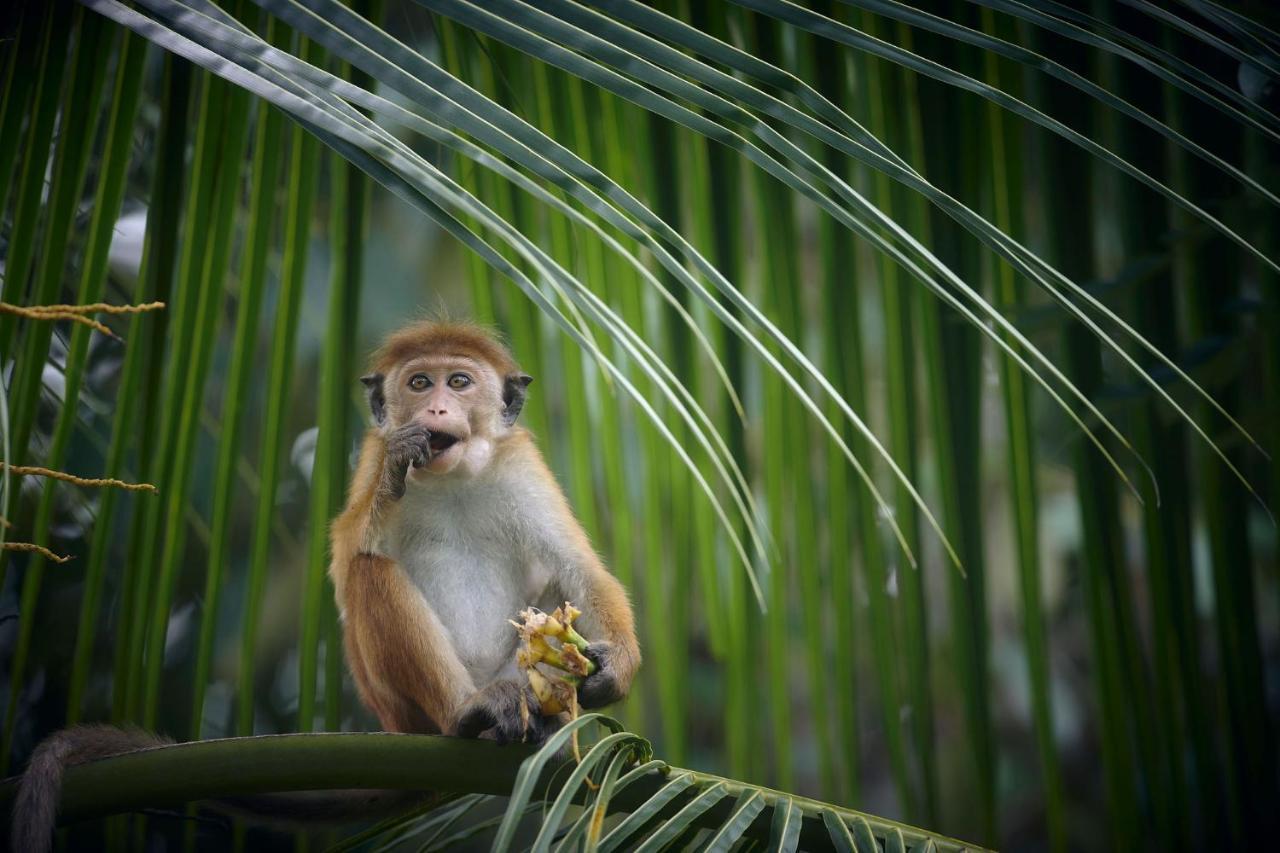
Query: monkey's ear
<point x="513" y="394"/>
<point x="377" y="399"/>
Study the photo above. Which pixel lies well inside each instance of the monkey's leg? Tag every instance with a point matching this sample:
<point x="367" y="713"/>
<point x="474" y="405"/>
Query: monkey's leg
<point x="403" y="660"/>
<point x="395" y="713"/>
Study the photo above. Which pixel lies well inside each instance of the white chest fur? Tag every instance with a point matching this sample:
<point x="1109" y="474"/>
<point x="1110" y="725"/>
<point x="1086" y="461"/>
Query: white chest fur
<point x="468" y="544"/>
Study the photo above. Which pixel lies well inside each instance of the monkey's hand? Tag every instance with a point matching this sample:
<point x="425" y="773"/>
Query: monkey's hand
<point x="497" y="707"/>
<point x="408" y="445"/>
<point x="602" y="687"/>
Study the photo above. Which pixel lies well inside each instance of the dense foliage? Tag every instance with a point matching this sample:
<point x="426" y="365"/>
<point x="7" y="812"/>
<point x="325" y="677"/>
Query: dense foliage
<point x="919" y="375"/>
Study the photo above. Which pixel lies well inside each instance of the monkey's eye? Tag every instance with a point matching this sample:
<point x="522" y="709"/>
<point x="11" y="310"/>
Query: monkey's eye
<point x="459" y="380"/>
<point x="419" y="382"/>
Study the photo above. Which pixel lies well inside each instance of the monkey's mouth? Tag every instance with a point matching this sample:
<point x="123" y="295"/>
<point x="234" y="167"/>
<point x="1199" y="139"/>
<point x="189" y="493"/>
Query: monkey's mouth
<point x="440" y="442"/>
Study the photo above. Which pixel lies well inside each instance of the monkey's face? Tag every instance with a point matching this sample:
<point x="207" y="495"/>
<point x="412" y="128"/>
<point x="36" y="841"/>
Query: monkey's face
<point x="457" y="383"/>
<point x="458" y="399"/>
<point x="463" y="401"/>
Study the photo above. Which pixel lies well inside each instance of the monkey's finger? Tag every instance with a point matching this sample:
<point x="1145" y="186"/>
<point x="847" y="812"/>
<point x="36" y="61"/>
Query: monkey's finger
<point x="406" y="434"/>
<point x="409" y="437"/>
<point x="598" y="652"/>
<point x="475" y="722"/>
<point x="511" y="729"/>
<point x="539" y="730"/>
<point x="547" y="726"/>
<point x="599" y="689"/>
<point x="420" y="450"/>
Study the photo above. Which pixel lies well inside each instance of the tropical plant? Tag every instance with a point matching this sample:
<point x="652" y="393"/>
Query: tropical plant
<point x="747" y="240"/>
<point x="660" y="805"/>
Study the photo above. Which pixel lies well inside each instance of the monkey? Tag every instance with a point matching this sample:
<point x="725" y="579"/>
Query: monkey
<point x="453" y="523"/>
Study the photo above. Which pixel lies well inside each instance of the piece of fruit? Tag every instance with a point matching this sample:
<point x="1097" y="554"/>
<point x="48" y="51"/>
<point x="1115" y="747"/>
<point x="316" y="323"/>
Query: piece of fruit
<point x="555" y="694"/>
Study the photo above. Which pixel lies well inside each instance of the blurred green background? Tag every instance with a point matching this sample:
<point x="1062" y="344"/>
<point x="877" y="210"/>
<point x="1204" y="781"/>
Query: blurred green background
<point x="1102" y="676"/>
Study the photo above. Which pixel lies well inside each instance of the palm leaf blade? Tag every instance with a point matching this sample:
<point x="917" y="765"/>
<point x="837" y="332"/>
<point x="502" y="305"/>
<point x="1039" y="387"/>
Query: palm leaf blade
<point x="749" y="804"/>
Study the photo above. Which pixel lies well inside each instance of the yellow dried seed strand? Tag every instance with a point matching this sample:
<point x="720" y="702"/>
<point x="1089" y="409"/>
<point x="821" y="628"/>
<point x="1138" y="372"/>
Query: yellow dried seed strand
<point x="50" y="313"/>
<point x="93" y="308"/>
<point x="36" y="471"/>
<point x="32" y="548"/>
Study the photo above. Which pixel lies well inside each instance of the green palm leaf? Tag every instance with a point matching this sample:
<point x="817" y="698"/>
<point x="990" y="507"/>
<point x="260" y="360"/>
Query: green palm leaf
<point x="472" y="15"/>
<point x="1171" y="69"/>
<point x="659" y="800"/>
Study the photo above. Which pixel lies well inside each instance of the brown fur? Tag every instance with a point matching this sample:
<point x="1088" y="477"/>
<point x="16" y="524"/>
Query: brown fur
<point x="35" y="809"/>
<point x="446" y="338"/>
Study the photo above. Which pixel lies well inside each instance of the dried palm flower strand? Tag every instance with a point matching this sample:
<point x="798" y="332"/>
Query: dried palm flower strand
<point x="32" y="548"/>
<point x="96" y="308"/>
<point x="36" y="471"/>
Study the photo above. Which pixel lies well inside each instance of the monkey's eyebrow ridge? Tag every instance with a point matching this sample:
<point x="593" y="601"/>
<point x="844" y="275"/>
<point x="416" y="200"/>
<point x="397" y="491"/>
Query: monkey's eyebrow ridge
<point x="442" y="362"/>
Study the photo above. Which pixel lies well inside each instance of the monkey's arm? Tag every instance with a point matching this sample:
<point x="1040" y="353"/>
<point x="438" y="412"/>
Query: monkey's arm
<point x="606" y="621"/>
<point x="404" y="665"/>
<point x="579" y="576"/>
<point x="379" y="481"/>
<point x="608" y="625"/>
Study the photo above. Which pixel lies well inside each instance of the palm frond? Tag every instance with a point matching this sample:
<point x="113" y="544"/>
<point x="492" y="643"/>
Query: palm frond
<point x="658" y="802"/>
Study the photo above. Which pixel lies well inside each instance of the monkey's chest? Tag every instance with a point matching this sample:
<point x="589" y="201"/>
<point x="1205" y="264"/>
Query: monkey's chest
<point x="474" y="584"/>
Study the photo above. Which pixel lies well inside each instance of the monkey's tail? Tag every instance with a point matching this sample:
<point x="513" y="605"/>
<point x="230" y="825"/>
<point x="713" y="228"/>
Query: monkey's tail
<point x="35" y="809"/>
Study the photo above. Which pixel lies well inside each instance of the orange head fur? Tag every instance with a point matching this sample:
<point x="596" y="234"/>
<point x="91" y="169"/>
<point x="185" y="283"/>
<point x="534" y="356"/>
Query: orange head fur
<point x="429" y="337"/>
